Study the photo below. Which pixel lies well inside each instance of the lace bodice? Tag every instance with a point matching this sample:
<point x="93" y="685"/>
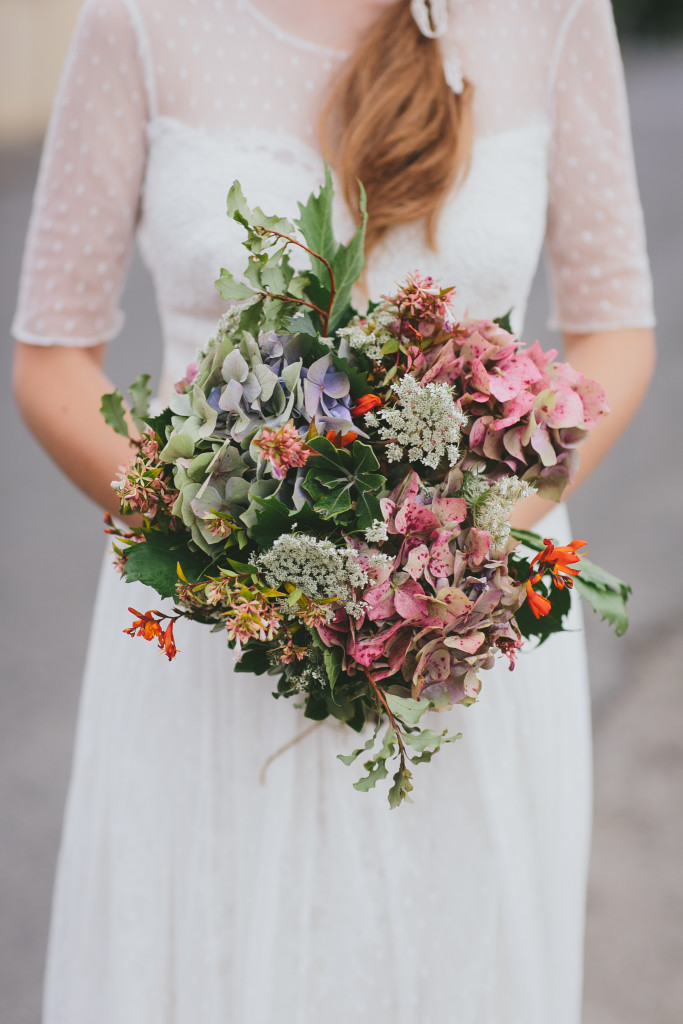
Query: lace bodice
<point x="163" y="103"/>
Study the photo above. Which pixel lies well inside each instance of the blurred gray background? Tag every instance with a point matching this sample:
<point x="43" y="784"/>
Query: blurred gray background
<point x="631" y="513"/>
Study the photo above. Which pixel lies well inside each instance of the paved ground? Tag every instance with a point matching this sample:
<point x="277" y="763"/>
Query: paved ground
<point x="51" y="540"/>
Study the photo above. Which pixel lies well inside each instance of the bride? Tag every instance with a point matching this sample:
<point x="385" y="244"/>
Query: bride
<point x="188" y="891"/>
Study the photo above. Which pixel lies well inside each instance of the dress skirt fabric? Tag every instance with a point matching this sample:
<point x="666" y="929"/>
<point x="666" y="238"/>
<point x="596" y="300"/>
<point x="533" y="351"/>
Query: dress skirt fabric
<point x="191" y="889"/>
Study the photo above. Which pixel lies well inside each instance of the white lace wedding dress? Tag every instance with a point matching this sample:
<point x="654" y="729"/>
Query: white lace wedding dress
<point x="189" y="892"/>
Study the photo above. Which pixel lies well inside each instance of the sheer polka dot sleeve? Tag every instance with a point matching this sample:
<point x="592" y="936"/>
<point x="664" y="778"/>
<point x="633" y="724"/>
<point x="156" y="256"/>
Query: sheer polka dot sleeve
<point x="595" y="240"/>
<point x="87" y="197"/>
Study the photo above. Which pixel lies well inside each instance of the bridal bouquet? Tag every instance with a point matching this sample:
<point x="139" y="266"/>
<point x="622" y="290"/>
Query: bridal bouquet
<point x="332" y="490"/>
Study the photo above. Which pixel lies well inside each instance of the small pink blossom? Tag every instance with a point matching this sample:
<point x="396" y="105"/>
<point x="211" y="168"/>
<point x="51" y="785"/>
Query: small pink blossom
<point x="283" y="448"/>
<point x="190" y="374"/>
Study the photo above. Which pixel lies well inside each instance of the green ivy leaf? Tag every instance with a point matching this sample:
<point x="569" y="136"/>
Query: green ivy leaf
<point x="331" y="495"/>
<point x="367" y="509"/>
<point x="328" y="458"/>
<point x="255" y="220"/>
<point x="113" y="411"/>
<point x="140" y="392"/>
<point x="274" y="519"/>
<point x="154" y="562"/>
<point x="230" y="288"/>
<point x="401" y="788"/>
<point x="408" y="709"/>
<point x="348" y="759"/>
<point x="377" y="770"/>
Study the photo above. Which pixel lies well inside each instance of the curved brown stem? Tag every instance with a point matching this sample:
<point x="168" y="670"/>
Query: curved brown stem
<point x="326" y="263"/>
<point x="392" y="718"/>
<point x="299" y="302"/>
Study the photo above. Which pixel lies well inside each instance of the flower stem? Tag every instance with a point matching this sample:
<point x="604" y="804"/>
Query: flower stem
<point x="317" y="256"/>
<point x="393" y="721"/>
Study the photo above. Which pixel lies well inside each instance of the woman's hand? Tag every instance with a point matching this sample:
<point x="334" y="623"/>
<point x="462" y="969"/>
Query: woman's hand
<point x="59" y="390"/>
<point x="622" y="362"/>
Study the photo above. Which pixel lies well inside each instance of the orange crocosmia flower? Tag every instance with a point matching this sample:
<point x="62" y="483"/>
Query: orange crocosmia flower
<point x="167" y="642"/>
<point x="340" y="440"/>
<point x="145" y="625"/>
<point x="559" y="560"/>
<point x="149" y="628"/>
<point x="365" y="404"/>
<point x="539" y="604"/>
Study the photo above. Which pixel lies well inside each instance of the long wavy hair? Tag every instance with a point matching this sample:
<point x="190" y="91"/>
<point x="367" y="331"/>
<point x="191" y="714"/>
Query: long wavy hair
<point x="393" y="122"/>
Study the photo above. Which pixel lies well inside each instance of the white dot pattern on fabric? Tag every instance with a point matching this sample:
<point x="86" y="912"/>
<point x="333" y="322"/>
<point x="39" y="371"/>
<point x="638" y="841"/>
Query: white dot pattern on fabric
<point x="98" y="124"/>
<point x="232" y="71"/>
<point x="238" y="897"/>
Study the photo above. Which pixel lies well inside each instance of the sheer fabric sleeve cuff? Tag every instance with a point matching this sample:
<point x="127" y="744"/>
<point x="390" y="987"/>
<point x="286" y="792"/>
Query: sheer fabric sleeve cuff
<point x="86" y="202"/>
<point x="595" y="239"/>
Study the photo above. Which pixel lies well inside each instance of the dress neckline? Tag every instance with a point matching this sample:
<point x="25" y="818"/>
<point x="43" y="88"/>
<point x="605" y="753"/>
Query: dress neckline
<point x="289" y="37"/>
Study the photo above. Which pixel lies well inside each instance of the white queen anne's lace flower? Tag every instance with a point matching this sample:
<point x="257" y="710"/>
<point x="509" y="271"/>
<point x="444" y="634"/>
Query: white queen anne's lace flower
<point x="425" y="426"/>
<point x="316" y="567"/>
<point x="376" y="532"/>
<point x="493" y="511"/>
<point x="368" y="335"/>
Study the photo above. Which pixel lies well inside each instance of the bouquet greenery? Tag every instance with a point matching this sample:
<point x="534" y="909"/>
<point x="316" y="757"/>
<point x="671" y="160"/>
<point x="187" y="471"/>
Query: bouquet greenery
<point x="332" y="491"/>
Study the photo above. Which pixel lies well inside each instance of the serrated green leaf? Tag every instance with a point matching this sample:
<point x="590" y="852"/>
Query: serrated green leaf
<point x="230" y="288"/>
<point x="377" y="770"/>
<point x="408" y="709"/>
<point x="609" y="603"/>
<point x="367" y="509"/>
<point x="364" y="458"/>
<point x="140" y="392"/>
<point x="114" y="414"/>
<point x="401" y="788"/>
<point x="335" y="502"/>
<point x="348" y="759"/>
<point x="237" y="204"/>
<point x="254" y="219"/>
<point x="599" y="577"/>
<point x="328" y="458"/>
<point x="347" y="266"/>
<point x="315" y="224"/>
<point x="425" y="738"/>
